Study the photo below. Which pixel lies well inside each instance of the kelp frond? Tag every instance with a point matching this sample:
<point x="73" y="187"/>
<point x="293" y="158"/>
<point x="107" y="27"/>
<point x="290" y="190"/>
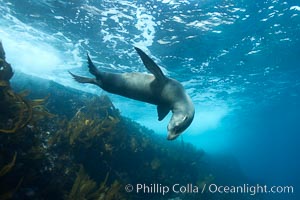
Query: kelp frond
<point x="90" y="121"/>
<point x="24" y="111"/>
<point x="85" y="188"/>
<point x="7" y="168"/>
<point x="82" y="186"/>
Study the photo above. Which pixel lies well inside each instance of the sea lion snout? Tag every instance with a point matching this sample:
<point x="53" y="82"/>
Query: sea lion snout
<point x="172" y="136"/>
<point x="178" y="123"/>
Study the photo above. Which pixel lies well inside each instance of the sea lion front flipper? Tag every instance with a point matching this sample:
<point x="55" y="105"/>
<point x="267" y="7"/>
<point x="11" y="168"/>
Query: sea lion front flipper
<point x="92" y="68"/>
<point x="162" y="111"/>
<point x="151" y="65"/>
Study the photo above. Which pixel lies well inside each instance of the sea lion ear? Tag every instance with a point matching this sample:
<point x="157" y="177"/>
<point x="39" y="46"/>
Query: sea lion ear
<point x="162" y="111"/>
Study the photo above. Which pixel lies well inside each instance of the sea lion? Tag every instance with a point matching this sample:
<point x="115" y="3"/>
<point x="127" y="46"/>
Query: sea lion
<point x="168" y="94"/>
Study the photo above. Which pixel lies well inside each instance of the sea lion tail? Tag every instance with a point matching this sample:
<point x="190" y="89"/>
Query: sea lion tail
<point x="82" y="79"/>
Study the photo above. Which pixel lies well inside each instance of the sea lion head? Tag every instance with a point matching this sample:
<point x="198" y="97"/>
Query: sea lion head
<point x="178" y="123"/>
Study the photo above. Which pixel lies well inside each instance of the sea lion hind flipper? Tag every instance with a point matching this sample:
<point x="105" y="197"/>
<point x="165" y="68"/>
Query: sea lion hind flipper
<point x="92" y="68"/>
<point x="82" y="79"/>
<point x="151" y="65"/>
<point x="162" y="111"/>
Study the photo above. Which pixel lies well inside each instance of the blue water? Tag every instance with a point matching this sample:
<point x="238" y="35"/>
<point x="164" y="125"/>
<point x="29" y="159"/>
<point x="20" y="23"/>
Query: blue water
<point x="239" y="61"/>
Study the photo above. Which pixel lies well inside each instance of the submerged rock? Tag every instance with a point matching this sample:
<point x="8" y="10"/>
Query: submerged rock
<point x="86" y="150"/>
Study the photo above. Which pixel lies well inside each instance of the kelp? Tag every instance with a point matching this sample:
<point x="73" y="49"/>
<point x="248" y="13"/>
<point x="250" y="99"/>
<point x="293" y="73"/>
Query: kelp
<point x="23" y="111"/>
<point x="85" y="188"/>
<point x="82" y="186"/>
<point x="7" y="168"/>
<point x="39" y="110"/>
<point x="19" y="111"/>
<point x="18" y="115"/>
<point x="92" y="121"/>
<point x="3" y="171"/>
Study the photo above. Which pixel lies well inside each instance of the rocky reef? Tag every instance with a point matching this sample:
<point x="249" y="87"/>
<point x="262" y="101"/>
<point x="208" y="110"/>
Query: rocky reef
<point x="60" y="143"/>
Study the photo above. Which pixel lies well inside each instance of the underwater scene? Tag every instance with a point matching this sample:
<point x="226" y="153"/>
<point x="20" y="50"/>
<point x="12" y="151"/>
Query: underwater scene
<point x="149" y="99"/>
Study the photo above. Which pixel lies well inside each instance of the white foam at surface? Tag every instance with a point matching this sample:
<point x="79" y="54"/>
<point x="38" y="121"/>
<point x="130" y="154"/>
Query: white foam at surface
<point x="92" y="9"/>
<point x="35" y="52"/>
<point x="178" y="19"/>
<point x="145" y="24"/>
<point x="59" y="17"/>
<point x="163" y="42"/>
<point x="215" y="19"/>
<point x="297" y="8"/>
<point x="253" y="52"/>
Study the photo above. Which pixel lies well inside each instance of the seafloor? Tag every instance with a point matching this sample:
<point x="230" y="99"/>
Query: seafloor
<point x="60" y="143"/>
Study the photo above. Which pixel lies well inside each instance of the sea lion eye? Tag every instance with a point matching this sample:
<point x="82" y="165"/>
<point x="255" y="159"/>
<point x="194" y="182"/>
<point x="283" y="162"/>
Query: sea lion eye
<point x="175" y="128"/>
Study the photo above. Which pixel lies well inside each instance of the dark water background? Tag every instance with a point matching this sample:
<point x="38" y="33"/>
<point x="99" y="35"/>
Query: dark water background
<point x="239" y="61"/>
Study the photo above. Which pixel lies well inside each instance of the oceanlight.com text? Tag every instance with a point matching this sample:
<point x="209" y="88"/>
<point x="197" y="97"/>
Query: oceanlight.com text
<point x="212" y="188"/>
<point x="249" y="189"/>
